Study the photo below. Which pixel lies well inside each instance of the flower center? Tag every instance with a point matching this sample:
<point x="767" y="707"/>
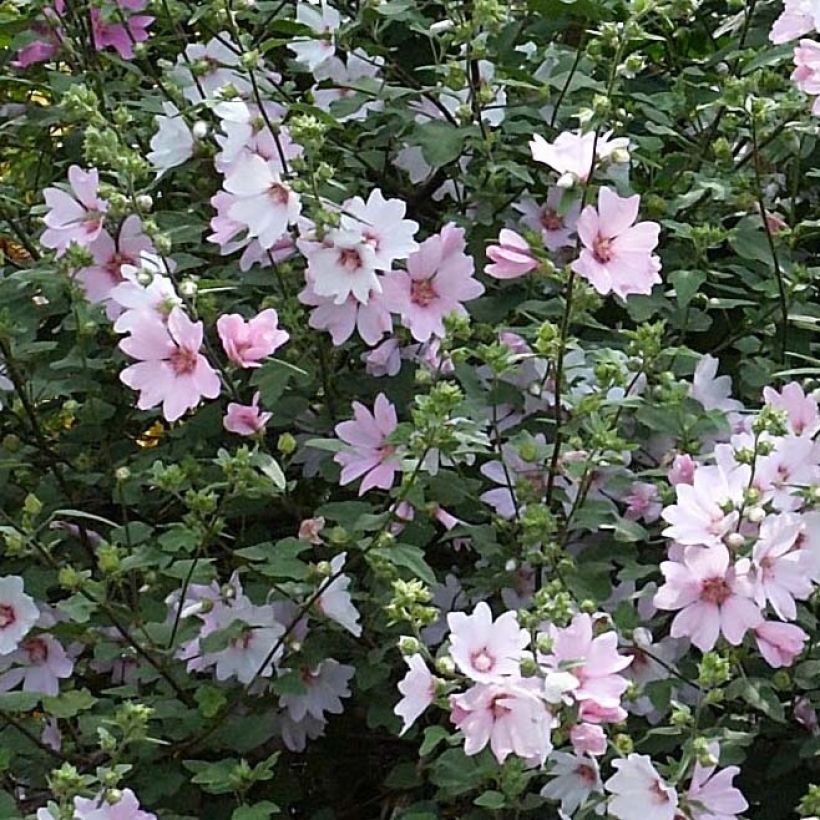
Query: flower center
<point x="602" y="249"/>
<point x="183" y="361"/>
<point x="92" y="221"/>
<point x="7" y="616"/>
<point x="36" y="649"/>
<point x="114" y="264"/>
<point x="350" y="259"/>
<point x="278" y="193"/>
<point x="497" y="708"/>
<point x="659" y="793"/>
<point x="422" y="292"/>
<point x="587" y="774"/>
<point x="482" y="661"/>
<point x="551" y="221"/>
<point x="715" y="591"/>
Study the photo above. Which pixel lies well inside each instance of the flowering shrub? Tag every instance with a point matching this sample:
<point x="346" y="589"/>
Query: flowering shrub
<point x="409" y="409"/>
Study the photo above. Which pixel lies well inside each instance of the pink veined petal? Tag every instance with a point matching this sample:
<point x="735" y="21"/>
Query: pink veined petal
<point x="737" y="616"/>
<point x="616" y="213"/>
<point x="700" y="622"/>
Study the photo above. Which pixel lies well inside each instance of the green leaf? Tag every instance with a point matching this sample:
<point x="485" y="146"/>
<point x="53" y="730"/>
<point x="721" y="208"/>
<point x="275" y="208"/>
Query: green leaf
<point x="759" y="694"/>
<point x="258" y="811"/>
<point x="433" y="735"/>
<point x="491" y="800"/>
<point x="409" y="557"/>
<point x="210" y="700"/>
<point x="686" y="284"/>
<point x="68" y="704"/>
<point x="440" y="142"/>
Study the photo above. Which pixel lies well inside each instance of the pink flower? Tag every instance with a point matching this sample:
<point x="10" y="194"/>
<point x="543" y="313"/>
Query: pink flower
<point x="510" y="473"/>
<point x="617" y="254"/>
<point x="246" y="419"/>
<point x="99" y="279"/>
<point x="325" y="686"/>
<point x="594" y="661"/>
<point x="682" y="470"/>
<point x="572" y="154"/>
<point x="246" y="343"/>
<point x="802" y="410"/>
<point x="171" y="371"/>
<point x="100" y="808"/>
<point x="113" y="34"/>
<point x="384" y="360"/>
<point x="711" y="597"/>
<point x="335" y="601"/>
<point x="779" y="643"/>
<point x="511" y="718"/>
<point x="18" y="613"/>
<point x="487" y="650"/>
<point x="439" y="277"/>
<point x="418" y="688"/>
<point x="77" y="218"/>
<point x="369" y="451"/>
<point x="343" y="266"/>
<point x="310" y="530"/>
<point x="712" y="391"/>
<point x="639" y="791"/>
<point x="588" y="738"/>
<point x="556" y="229"/>
<point x="712" y="796"/>
<point x="642" y="502"/>
<point x="511" y="258"/>
<point x="806" y="74"/>
<point x="798" y="17"/>
<point x="39" y="663"/>
<point x="40" y="50"/>
<point x="575" y="777"/>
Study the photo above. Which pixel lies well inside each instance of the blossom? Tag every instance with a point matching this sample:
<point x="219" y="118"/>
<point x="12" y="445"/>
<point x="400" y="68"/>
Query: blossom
<point x="617" y="253"/>
<point x="711" y="795"/>
<point x="343" y="80"/>
<point x="511" y="258"/>
<point x="343" y="266"/>
<point x="18" y="613"/>
<point x="511" y="718"/>
<point x="513" y="474"/>
<point x="101" y="807"/>
<point x="48" y="41"/>
<point x="121" y="36"/>
<point x="324" y="21"/>
<point x="310" y="530"/>
<point x="439" y="277"/>
<point x="384" y="360"/>
<point x="157" y="299"/>
<point x="574" y="778"/>
<point x="262" y="201"/>
<point x="487" y="650"/>
<point x="335" y="601"/>
<point x="643" y="502"/>
<point x="682" y="470"/>
<point x="173" y="142"/>
<point x="369" y="454"/>
<point x="39" y="663"/>
<point x="250" y="129"/>
<point x="588" y="738"/>
<point x="556" y="228"/>
<point x="711" y="391"/>
<point x="711" y="596"/>
<point x="219" y="62"/>
<point x="418" y="688"/>
<point x="639" y="791"/>
<point x="99" y="279"/>
<point x="594" y="661"/>
<point x="171" y="371"/>
<point x="798" y="17"/>
<point x="382" y="225"/>
<point x="246" y="419"/>
<point x="325" y="686"/>
<point x="572" y="155"/>
<point x="806" y="74"/>
<point x="802" y="410"/>
<point x="371" y="318"/>
<point x="77" y="218"/>
<point x="779" y="644"/>
<point x="246" y="343"/>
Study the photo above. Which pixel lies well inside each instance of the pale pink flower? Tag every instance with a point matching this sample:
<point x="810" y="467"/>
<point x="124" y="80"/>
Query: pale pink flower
<point x="325" y="686"/>
<point x="247" y="342"/>
<point x="682" y="470"/>
<point x="39" y="663"/>
<point x="556" y="229"/>
<point x="594" y="661"/>
<point x="572" y="154"/>
<point x="780" y="572"/>
<point x="99" y="279"/>
<point x="246" y="132"/>
<point x="310" y="530"/>
<point x="110" y="32"/>
<point x="713" y="392"/>
<point x="806" y="74"/>
<point x="806" y="715"/>
<point x="343" y="266"/>
<point x="574" y="778"/>
<point x="511" y="718"/>
<point x="335" y="601"/>
<point x="324" y="21"/>
<point x="382" y="224"/>
<point x="439" y="277"/>
<point x="511" y="258"/>
<point x="173" y="143"/>
<point x="371" y="318"/>
<point x="639" y="792"/>
<point x="76" y="217"/>
<point x="711" y="795"/>
<point x="262" y="201"/>
<point x="512" y="472"/>
<point x="99" y="808"/>
<point x="171" y="371"/>
<point x="798" y="17"/>
<point x="617" y="253"/>
<point x="341" y="81"/>
<point x="51" y="735"/>
<point x="487" y="650"/>
<point x="295" y="734"/>
<point x="779" y="644"/>
<point x="802" y="410"/>
<point x="712" y="598"/>
<point x="588" y="739"/>
<point x="643" y="502"/>
<point x="384" y="360"/>
<point x="418" y="688"/>
<point x="369" y="453"/>
<point x="222" y="69"/>
<point x="246" y="419"/>
<point x="18" y="613"/>
<point x="156" y="299"/>
<point x="793" y="464"/>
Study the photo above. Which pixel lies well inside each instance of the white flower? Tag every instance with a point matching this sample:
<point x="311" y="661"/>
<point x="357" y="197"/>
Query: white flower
<point x="335" y="601"/>
<point x="346" y="266"/>
<point x="263" y="202"/>
<point x="325" y="685"/>
<point x="173" y="142"/>
<point x="313" y="52"/>
<point x="221" y="61"/>
<point x="575" y="778"/>
<point x="639" y="792"/>
<point x="42" y="663"/>
<point x="18" y="613"/>
<point x="418" y="688"/>
<point x="711" y="390"/>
